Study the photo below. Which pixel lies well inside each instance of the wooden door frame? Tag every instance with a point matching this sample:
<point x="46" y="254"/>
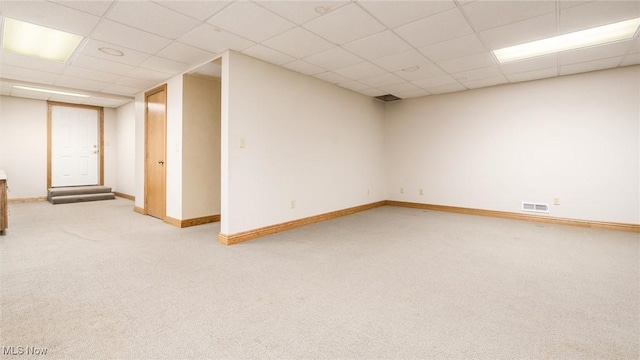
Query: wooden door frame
<point x="151" y="92"/>
<point x="100" y="110"/>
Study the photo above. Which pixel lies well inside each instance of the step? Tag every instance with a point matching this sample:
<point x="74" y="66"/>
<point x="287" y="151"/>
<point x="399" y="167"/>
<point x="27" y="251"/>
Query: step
<point x="77" y="190"/>
<point x="67" y="199"/>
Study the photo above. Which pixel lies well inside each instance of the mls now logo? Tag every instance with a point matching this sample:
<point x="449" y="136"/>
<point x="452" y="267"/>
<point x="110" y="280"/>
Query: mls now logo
<point x="22" y="350"/>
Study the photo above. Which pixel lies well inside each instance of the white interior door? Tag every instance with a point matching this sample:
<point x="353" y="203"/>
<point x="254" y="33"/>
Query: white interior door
<point x="74" y="146"/>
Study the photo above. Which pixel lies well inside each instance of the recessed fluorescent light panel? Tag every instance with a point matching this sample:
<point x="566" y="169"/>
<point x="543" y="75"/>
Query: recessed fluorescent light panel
<point x="57" y="92"/>
<point x="33" y="40"/>
<point x="575" y="40"/>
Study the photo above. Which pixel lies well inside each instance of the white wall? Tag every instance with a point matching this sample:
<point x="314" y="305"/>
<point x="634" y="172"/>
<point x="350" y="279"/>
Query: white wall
<point x="23" y="146"/>
<point x="305" y="141"/>
<point x="200" y="147"/>
<point x="125" y="148"/>
<point x="573" y="137"/>
<point x="110" y="148"/>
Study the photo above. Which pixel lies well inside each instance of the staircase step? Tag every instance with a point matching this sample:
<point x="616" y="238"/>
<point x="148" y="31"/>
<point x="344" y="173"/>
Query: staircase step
<point x="78" y="190"/>
<point x="66" y="199"/>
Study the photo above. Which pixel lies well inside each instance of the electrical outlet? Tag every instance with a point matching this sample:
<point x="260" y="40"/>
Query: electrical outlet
<point x="293" y="204"/>
<point x="401" y="190"/>
<point x="242" y="143"/>
<point x="421" y="192"/>
<point x="556" y="201"/>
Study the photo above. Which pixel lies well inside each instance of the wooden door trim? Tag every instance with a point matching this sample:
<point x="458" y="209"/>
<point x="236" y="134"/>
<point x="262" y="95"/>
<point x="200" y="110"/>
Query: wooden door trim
<point x="100" y="110"/>
<point x="147" y="94"/>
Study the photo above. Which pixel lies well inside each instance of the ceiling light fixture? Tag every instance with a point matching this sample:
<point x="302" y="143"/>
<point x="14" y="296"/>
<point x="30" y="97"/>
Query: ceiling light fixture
<point x="38" y="41"/>
<point x="57" y="92"/>
<point x="590" y="37"/>
<point x="111" y="51"/>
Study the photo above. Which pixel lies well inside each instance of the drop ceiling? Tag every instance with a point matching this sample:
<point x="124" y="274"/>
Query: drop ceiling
<point x="406" y="48"/>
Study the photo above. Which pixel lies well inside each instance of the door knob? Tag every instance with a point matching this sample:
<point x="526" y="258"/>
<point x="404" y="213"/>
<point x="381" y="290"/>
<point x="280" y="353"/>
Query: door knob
<point x="161" y="162"/>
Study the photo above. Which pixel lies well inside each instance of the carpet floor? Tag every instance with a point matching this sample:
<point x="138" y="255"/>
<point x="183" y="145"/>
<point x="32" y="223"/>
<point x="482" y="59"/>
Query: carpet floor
<point x="96" y="280"/>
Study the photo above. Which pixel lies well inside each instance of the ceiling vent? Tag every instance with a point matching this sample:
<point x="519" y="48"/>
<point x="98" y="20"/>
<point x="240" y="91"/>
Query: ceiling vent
<point x="388" y="97"/>
<point x="535" y="207"/>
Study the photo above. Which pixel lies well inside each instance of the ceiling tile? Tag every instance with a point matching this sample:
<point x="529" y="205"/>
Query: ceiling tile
<point x="485" y="15"/>
<point x="465" y="63"/>
<point x="145" y="15"/>
<point x="425" y="71"/>
<point x="382" y="80"/>
<point x="18" y="73"/>
<point x="521" y="32"/>
<point x="331" y="77"/>
<point x="333" y="59"/>
<point x="570" y="3"/>
<point x="184" y="53"/>
<point x="445" y="89"/>
<point x="631" y="59"/>
<point x="444" y="26"/>
<point x="434" y="82"/>
<point x="90" y="74"/>
<point x="212" y="39"/>
<point x="597" y="13"/>
<point x="122" y="90"/>
<point x="304" y="67"/>
<point x="372" y="92"/>
<point x="89" y="6"/>
<point x="378" y="45"/>
<point x="478" y="74"/>
<point x="269" y="55"/>
<point x="595" y="52"/>
<point x="90" y="62"/>
<point x="450" y="49"/>
<point x="115" y="33"/>
<point x="590" y="66"/>
<point x="30" y="62"/>
<point x="474" y="84"/>
<point x="412" y="94"/>
<point x="165" y="65"/>
<point x="354" y="85"/>
<point x="398" y="88"/>
<point x="300" y="12"/>
<point x="250" y="21"/>
<point x="134" y="83"/>
<point x="298" y="43"/>
<point x="392" y="15"/>
<point x="78" y="83"/>
<point x="403" y="60"/>
<point x="200" y="10"/>
<point x="130" y="57"/>
<point x="345" y="24"/>
<point x="636" y="47"/>
<point x="360" y="71"/>
<point x="527" y="65"/>
<point x="50" y="15"/>
<point x="148" y="74"/>
<point x="533" y="75"/>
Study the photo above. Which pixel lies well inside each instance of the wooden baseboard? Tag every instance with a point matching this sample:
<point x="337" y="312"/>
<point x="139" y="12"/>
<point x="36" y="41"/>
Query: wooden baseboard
<point x="139" y="210"/>
<point x="26" y="200"/>
<point x="272" y="229"/>
<point x="125" y="196"/>
<point x="192" y="222"/>
<point x="517" y="216"/>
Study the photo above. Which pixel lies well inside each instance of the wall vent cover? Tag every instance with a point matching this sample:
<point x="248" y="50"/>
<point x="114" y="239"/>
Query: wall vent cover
<point x="535" y="207"/>
<point x="388" y="97"/>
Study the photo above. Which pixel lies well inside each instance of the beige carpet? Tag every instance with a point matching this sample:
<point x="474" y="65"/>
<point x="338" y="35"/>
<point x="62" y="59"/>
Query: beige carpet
<point x="96" y="280"/>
